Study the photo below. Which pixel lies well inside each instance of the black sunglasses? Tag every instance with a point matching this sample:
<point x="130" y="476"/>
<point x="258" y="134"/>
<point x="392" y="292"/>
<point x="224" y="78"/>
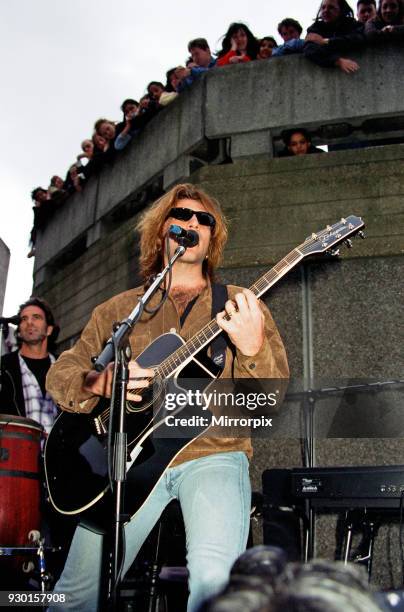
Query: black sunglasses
<point x="185" y="214"/>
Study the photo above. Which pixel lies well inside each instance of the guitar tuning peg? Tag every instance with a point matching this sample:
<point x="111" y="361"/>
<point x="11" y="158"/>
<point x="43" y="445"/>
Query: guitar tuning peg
<point x="334" y="252"/>
<point x="362" y="235"/>
<point x="348" y="242"/>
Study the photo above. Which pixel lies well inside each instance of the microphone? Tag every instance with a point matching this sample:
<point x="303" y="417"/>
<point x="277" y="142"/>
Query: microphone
<point x="13" y="320"/>
<point x="186" y="238"/>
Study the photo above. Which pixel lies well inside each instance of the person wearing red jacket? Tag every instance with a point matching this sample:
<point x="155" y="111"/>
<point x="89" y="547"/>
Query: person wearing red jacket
<point x="239" y="45"/>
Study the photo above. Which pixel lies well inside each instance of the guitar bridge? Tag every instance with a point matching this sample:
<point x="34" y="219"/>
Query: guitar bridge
<point x="99" y="426"/>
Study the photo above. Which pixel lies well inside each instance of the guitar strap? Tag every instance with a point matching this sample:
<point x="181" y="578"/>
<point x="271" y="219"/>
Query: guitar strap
<point x="187" y="310"/>
<point x="219" y="344"/>
<point x="222" y="341"/>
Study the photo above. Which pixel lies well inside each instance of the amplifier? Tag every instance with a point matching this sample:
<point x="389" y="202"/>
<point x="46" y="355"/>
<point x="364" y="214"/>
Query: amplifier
<point x="364" y="486"/>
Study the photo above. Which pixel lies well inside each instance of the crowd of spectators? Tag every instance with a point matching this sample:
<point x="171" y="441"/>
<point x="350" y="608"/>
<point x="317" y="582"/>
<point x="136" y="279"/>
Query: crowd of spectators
<point x="334" y="33"/>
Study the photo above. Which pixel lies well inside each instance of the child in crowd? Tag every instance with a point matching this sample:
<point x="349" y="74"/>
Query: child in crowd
<point x="201" y="61"/>
<point x="365" y="10"/>
<point x="106" y="130"/>
<point x="155" y="89"/>
<point x="158" y="93"/>
<point x="57" y="190"/>
<point x="297" y="142"/>
<point x="290" y="30"/>
<point x="100" y="145"/>
<point x="201" y="55"/>
<point x="87" y="146"/>
<point x="129" y="108"/>
<point x="172" y="81"/>
<point x="239" y="45"/>
<point x="55" y="186"/>
<point x="138" y="118"/>
<point x="124" y="130"/>
<point x="74" y="179"/>
<point x="267" y="46"/>
<point x="101" y="154"/>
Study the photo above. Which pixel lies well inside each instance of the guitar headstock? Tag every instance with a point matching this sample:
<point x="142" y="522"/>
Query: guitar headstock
<point x="333" y="235"/>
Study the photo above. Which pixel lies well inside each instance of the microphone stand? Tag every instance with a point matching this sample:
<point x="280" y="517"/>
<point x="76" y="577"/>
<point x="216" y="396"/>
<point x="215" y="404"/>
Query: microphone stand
<point x="118" y="345"/>
<point x="3" y="330"/>
<point x="4" y="321"/>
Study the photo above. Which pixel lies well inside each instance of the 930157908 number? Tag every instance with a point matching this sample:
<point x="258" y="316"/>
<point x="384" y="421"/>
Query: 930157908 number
<point x="30" y="598"/>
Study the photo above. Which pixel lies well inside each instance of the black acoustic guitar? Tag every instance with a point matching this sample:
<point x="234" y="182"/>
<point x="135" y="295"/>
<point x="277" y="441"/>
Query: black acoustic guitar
<point x="76" y="463"/>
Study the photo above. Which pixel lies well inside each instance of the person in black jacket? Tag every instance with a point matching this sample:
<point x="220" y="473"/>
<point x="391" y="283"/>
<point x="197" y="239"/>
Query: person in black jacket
<point x="41" y="210"/>
<point x="334" y="31"/>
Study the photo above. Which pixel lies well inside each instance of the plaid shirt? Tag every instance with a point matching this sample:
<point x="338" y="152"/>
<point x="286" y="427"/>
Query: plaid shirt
<point x="41" y="409"/>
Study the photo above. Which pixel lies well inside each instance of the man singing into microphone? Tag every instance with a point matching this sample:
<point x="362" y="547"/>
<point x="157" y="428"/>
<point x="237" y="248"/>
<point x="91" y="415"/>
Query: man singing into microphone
<point x="209" y="476"/>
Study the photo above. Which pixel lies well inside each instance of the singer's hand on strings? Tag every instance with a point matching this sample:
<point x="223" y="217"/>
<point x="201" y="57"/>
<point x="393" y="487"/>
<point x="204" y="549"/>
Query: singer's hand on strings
<point x="100" y="383"/>
<point x="245" y="325"/>
<point x="138" y="379"/>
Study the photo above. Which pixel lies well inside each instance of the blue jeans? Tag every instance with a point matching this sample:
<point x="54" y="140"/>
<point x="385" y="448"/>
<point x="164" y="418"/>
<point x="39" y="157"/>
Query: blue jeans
<point x="215" y="497"/>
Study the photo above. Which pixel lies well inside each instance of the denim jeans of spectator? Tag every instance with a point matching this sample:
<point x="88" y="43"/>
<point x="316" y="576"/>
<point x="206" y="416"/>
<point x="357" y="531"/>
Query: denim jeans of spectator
<point x="215" y="497"/>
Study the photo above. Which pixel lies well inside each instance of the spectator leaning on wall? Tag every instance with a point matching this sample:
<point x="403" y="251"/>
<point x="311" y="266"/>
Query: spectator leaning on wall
<point x="267" y="45"/>
<point x="202" y="61"/>
<point x="125" y="130"/>
<point x="334" y="32"/>
<point x="239" y="45"/>
<point x="290" y="31"/>
<point x="41" y="211"/>
<point x="388" y="25"/>
<point x="159" y="94"/>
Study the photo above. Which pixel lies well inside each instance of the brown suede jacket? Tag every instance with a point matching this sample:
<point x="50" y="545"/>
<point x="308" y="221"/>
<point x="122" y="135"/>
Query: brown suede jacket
<point x="66" y="377"/>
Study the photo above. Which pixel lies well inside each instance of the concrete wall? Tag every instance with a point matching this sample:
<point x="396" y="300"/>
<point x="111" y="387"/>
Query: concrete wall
<point x="4" y="261"/>
<point x="249" y="106"/>
<point x="271" y="205"/>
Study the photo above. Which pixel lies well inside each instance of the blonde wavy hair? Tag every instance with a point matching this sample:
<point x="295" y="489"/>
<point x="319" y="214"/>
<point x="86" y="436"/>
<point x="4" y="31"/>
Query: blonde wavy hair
<point x="152" y="236"/>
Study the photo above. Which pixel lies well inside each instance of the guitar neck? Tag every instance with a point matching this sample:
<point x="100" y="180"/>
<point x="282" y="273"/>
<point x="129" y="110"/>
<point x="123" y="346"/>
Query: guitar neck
<point x="211" y="330"/>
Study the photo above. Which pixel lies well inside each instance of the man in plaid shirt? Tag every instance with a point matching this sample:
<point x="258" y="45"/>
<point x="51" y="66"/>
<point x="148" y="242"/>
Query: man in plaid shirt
<point x="23" y="372"/>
